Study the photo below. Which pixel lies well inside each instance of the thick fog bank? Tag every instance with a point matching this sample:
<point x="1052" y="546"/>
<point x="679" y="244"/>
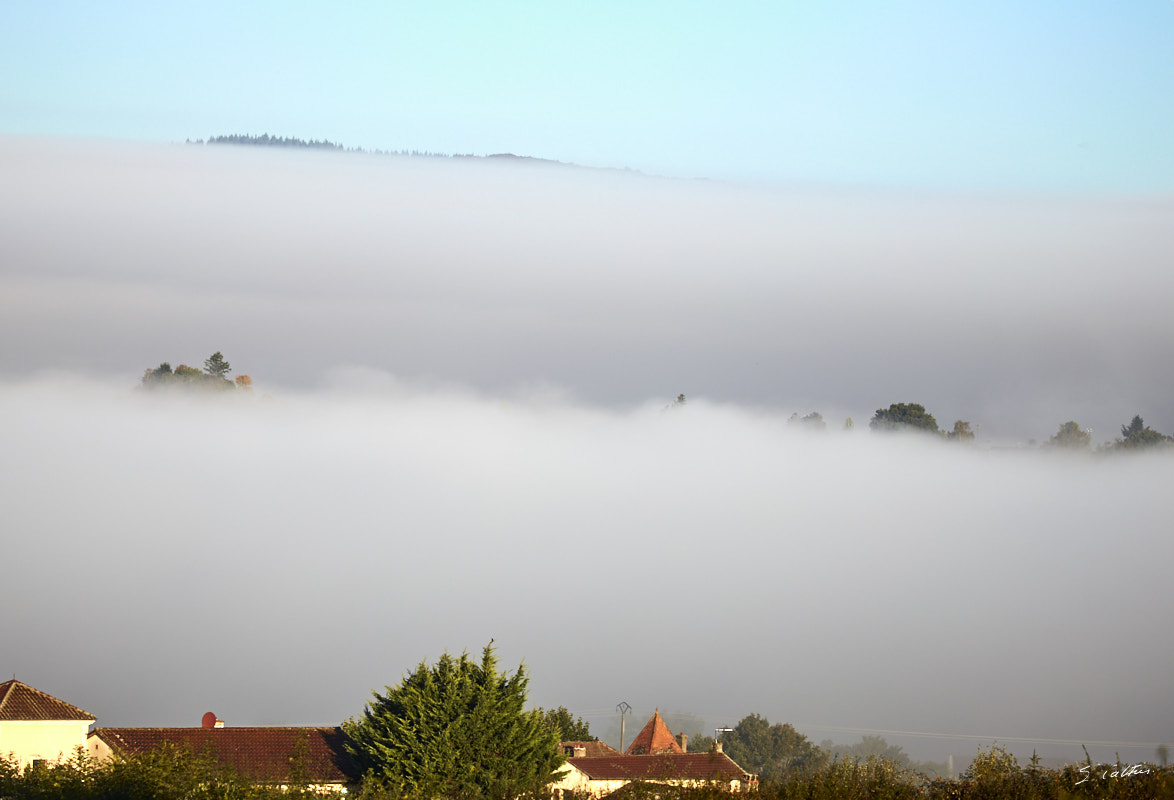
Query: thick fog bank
<point x="274" y="558"/>
<point x="1013" y="313"/>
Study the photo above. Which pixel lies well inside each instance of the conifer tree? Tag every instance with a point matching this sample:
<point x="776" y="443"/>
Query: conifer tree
<point x="216" y="366"/>
<point x="456" y="729"/>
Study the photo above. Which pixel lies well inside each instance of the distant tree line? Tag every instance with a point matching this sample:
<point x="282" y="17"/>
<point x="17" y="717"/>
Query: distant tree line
<point x="265" y="140"/>
<point x="913" y="418"/>
<point x="213" y="377"/>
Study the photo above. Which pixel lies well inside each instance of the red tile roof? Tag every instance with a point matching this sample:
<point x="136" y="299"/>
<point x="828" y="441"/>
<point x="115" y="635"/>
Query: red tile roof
<point x="266" y="754"/>
<point x="669" y="766"/>
<point x="594" y="748"/>
<point x="656" y="738"/>
<point x="19" y="701"/>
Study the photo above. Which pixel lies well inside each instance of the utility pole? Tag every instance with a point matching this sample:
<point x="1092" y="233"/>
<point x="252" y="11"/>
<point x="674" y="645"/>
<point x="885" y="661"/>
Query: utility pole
<point x="623" y="708"/>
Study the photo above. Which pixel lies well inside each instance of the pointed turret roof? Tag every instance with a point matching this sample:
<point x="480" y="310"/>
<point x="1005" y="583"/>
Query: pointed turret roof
<point x="19" y="701"/>
<point x="655" y="739"/>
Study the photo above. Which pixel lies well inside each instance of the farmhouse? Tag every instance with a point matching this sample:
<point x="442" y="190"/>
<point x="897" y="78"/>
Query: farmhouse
<point x="314" y="757"/>
<point x="655" y="756"/>
<point x="35" y="726"/>
<point x="593" y="748"/>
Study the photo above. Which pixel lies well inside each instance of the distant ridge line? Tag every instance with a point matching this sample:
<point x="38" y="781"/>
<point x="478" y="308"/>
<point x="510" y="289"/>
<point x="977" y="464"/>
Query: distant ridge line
<point x="265" y="140"/>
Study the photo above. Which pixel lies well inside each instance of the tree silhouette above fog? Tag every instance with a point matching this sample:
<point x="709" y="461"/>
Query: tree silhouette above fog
<point x="213" y="377"/>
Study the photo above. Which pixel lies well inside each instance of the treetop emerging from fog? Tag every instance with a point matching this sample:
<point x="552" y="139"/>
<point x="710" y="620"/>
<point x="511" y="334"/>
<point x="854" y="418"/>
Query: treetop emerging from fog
<point x="214" y="376"/>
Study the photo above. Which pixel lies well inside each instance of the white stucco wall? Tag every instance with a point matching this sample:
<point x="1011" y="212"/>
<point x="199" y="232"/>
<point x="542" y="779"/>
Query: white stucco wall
<point x="97" y="748"/>
<point x="575" y="781"/>
<point x="24" y="741"/>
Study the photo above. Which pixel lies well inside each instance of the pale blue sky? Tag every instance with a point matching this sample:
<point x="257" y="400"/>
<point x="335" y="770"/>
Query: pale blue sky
<point x="1053" y="95"/>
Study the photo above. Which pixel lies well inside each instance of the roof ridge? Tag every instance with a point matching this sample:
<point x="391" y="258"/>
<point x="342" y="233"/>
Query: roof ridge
<point x="655" y="737"/>
<point x="225" y="728"/>
<point x="14" y="689"/>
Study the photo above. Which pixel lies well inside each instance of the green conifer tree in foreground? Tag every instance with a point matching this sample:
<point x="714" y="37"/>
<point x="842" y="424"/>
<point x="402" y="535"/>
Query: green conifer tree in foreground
<point x="456" y="729"/>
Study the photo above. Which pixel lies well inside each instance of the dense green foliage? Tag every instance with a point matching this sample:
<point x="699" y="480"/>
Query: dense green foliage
<point x="213" y="377"/>
<point x="216" y="367"/>
<point x="457" y="729"/>
<point x="903" y="416"/>
<point x="569" y="728"/>
<point x="771" y="751"/>
<point x="1071" y="437"/>
<point x="961" y="432"/>
<point x="1137" y="436"/>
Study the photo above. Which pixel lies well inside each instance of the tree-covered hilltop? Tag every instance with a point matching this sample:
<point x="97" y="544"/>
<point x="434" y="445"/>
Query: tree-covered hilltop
<point x="213" y="377"/>
<point x="265" y="140"/>
<point x="292" y="142"/>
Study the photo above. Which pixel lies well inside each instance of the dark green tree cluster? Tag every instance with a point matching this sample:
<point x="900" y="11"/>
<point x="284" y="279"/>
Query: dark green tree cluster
<point x="214" y="376"/>
<point x="772" y="751"/>
<point x="1071" y="436"/>
<point x="904" y="417"/>
<point x="961" y="432"/>
<point x="1139" y="436"/>
<point x="265" y="140"/>
<point x="1135" y="436"/>
<point x="568" y="727"/>
<point x="457" y="729"/>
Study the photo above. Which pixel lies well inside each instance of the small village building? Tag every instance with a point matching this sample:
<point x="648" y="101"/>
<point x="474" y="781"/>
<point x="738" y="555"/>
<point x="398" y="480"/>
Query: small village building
<point x="655" y="756"/>
<point x="281" y="756"/>
<point x="655" y="739"/>
<point x="603" y="775"/>
<point x="591" y="749"/>
<point x="35" y="726"/>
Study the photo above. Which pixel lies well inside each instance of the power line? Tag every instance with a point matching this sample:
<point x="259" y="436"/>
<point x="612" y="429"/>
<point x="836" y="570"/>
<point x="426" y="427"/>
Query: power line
<point x="980" y="737"/>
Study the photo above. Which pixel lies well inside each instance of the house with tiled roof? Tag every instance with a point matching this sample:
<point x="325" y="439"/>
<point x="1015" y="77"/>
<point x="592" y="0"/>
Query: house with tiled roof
<point x="590" y="749"/>
<point x="654" y="739"/>
<point x="35" y="726"/>
<point x="282" y="756"/>
<point x="655" y="756"/>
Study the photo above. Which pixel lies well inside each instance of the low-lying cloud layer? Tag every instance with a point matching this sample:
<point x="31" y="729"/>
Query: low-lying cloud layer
<point x="275" y="559"/>
<point x="1014" y="313"/>
<point x="452" y="439"/>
